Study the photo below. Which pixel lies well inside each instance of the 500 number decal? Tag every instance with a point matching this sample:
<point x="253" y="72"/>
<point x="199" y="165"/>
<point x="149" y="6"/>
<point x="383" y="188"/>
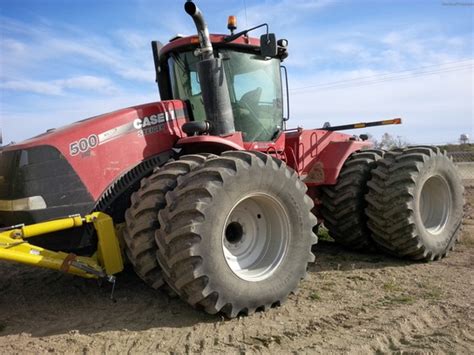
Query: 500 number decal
<point x="83" y="145"/>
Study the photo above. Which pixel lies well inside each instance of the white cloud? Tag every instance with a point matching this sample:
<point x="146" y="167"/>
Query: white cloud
<point x="37" y="87"/>
<point x="88" y="71"/>
<point x="282" y="13"/>
<point x="369" y="46"/>
<point x="13" y="46"/>
<point x="71" y="47"/>
<point x="435" y="108"/>
<point x="59" y="87"/>
<point x="133" y="39"/>
<point x="145" y="75"/>
<point x="88" y="82"/>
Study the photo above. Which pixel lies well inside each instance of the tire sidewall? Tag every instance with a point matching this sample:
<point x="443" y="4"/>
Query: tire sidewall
<point x="440" y="165"/>
<point x="256" y="179"/>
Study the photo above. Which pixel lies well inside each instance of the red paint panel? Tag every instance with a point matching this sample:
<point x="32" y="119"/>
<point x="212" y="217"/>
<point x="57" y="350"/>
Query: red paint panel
<point x="332" y="158"/>
<point x="122" y="140"/>
<point x="322" y="150"/>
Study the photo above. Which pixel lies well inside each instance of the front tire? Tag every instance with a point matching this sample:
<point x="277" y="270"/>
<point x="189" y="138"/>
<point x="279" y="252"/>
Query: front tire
<point x="142" y="216"/>
<point x="236" y="235"/>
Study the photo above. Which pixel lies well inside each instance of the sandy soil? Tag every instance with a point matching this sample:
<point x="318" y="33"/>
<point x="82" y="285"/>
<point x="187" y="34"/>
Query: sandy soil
<point x="351" y="303"/>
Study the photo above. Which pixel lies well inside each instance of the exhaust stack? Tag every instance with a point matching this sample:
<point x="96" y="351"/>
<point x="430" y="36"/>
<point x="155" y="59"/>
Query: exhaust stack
<point x="215" y="93"/>
<point x="201" y="26"/>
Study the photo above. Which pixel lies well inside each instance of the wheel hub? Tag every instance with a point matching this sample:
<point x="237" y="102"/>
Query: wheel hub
<point x="256" y="237"/>
<point x="435" y="204"/>
<point x="234" y="234"/>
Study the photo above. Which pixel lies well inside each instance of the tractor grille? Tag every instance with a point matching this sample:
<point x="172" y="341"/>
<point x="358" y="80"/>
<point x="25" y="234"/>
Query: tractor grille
<point x="40" y="171"/>
<point x="7" y="162"/>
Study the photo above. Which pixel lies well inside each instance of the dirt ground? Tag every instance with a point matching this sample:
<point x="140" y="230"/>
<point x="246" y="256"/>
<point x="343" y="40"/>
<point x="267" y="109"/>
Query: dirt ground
<point x="350" y="303"/>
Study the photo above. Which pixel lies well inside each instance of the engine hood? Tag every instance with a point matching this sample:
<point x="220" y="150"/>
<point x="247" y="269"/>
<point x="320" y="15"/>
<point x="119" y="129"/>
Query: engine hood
<point x="134" y="116"/>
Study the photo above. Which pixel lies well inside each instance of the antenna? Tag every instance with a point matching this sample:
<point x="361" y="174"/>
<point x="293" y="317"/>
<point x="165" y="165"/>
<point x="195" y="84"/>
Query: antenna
<point x="245" y="8"/>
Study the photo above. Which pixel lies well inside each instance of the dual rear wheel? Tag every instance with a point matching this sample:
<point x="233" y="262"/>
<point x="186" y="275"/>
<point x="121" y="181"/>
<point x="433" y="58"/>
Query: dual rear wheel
<point x="406" y="202"/>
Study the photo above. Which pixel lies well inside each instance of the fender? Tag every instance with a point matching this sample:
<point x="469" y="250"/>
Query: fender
<point x="325" y="169"/>
<point x="210" y="144"/>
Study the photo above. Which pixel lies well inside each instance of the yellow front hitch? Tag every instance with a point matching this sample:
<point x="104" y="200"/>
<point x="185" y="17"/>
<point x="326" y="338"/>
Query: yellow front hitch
<point x="106" y="262"/>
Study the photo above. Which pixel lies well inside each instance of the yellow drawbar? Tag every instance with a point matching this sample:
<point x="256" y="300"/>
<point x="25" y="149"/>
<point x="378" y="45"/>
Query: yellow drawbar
<point x="107" y="261"/>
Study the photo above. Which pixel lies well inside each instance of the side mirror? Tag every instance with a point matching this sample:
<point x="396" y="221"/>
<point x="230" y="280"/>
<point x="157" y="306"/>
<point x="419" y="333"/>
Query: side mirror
<point x="268" y="45"/>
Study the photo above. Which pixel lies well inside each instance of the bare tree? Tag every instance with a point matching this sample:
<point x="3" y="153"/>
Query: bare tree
<point x="464" y="139"/>
<point x="389" y="142"/>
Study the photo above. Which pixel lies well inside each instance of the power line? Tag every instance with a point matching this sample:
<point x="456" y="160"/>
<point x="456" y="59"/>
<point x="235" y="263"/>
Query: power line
<point x="399" y="77"/>
<point x="337" y="87"/>
<point x="388" y="76"/>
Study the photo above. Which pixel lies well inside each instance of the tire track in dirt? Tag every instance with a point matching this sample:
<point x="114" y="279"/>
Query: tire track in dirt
<point x="349" y="303"/>
<point x="359" y="310"/>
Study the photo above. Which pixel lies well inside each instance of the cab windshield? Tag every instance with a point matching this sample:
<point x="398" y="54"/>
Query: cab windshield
<point x="254" y="85"/>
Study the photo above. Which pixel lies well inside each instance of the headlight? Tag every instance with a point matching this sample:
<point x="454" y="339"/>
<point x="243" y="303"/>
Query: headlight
<point x="23" y="204"/>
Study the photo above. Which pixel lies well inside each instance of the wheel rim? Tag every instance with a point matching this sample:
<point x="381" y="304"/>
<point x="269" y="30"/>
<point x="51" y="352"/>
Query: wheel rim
<point x="255" y="237"/>
<point x="435" y="204"/>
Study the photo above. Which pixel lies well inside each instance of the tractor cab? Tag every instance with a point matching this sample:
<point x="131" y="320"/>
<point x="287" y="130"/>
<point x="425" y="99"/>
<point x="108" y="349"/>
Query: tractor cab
<point x="240" y="87"/>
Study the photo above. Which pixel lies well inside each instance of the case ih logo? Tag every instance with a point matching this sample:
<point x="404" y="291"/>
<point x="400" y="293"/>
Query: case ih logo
<point x="153" y="123"/>
<point x="144" y="126"/>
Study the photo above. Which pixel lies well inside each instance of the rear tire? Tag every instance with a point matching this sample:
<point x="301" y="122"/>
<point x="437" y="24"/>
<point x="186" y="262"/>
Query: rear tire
<point x="142" y="216"/>
<point x="343" y="205"/>
<point x="415" y="203"/>
<point x="236" y="234"/>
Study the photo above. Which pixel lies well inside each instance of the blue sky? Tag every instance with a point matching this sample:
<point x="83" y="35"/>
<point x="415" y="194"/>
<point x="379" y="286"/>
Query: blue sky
<point x="61" y="61"/>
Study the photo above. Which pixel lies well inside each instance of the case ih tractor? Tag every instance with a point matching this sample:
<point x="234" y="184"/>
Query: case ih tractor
<point x="208" y="191"/>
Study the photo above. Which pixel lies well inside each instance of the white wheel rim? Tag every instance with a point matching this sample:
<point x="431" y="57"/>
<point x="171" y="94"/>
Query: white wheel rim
<point x="435" y="204"/>
<point x="255" y="237"/>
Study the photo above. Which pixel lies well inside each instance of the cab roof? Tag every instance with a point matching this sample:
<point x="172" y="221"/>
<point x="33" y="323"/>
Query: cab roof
<point x="218" y="41"/>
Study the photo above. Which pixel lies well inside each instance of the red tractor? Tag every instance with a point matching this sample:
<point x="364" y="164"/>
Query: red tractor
<point x="210" y="191"/>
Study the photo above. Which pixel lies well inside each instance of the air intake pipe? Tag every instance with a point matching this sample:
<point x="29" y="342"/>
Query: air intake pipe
<point x="215" y="93"/>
